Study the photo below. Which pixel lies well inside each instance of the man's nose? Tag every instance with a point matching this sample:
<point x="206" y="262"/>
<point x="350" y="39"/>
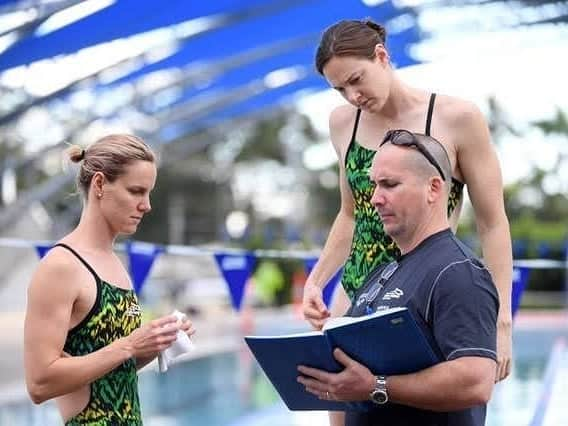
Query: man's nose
<point x="377" y="199"/>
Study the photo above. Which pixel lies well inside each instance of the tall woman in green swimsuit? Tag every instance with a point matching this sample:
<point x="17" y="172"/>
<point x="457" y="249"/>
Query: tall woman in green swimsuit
<point x="353" y="58"/>
<point x="82" y="340"/>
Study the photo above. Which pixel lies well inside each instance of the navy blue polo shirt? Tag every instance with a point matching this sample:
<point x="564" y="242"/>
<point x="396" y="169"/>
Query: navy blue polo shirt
<point x="453" y="299"/>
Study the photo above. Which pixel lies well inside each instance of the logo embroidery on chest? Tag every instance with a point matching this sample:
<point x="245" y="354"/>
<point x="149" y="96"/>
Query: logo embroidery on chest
<point x="393" y="294"/>
<point x="133" y="311"/>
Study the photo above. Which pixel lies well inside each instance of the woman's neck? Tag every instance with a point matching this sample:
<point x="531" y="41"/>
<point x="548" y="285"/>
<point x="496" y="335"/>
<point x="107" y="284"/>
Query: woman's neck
<point x="93" y="232"/>
<point x="401" y="100"/>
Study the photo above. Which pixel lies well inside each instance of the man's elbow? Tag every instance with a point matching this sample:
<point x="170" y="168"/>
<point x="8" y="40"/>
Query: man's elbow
<point x="477" y="380"/>
<point x="480" y="392"/>
<point x="471" y="395"/>
<point x="482" y="396"/>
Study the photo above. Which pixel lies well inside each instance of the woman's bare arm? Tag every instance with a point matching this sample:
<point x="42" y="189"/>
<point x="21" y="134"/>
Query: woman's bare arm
<point x="480" y="167"/>
<point x="51" y="373"/>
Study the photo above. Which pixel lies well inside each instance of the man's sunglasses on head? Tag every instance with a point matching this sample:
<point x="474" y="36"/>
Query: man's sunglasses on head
<point x="403" y="137"/>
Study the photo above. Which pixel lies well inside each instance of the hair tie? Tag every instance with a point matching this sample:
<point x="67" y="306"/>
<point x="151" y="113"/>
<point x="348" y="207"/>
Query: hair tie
<point x="83" y="152"/>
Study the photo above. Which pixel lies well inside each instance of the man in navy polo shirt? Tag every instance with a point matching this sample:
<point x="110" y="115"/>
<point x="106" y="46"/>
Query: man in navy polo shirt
<point x="448" y="290"/>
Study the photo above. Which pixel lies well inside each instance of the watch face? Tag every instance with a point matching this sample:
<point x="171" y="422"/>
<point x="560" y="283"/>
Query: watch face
<point x="379" y="396"/>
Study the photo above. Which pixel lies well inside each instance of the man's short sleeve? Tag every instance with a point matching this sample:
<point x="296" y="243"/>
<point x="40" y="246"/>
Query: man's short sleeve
<point x="462" y="308"/>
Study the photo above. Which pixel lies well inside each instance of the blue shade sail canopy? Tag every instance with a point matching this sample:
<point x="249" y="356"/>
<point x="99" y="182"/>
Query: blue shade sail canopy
<point x="308" y="19"/>
<point x="258" y="104"/>
<point x="244" y="87"/>
<point x="261" y="37"/>
<point x="125" y="18"/>
<point x="297" y="59"/>
<point x="284" y="25"/>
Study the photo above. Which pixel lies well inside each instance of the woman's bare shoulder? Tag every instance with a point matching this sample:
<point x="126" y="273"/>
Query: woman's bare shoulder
<point x="456" y="111"/>
<point x="341" y="122"/>
<point x="342" y="114"/>
<point x="56" y="270"/>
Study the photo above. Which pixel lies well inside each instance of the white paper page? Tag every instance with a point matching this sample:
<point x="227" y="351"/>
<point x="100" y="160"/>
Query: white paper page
<point x="341" y="321"/>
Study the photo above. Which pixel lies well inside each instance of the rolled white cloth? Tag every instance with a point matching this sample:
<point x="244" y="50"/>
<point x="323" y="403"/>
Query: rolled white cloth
<point x="181" y="345"/>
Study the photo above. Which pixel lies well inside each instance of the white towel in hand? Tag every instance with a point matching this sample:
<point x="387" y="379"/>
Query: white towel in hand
<point x="181" y="345"/>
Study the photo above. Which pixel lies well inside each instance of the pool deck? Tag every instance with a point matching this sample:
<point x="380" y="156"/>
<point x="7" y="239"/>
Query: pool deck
<point x="529" y="320"/>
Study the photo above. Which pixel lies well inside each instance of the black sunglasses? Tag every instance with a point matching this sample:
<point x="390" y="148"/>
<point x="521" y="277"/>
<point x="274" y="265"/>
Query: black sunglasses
<point x="403" y="137"/>
<point x="379" y="282"/>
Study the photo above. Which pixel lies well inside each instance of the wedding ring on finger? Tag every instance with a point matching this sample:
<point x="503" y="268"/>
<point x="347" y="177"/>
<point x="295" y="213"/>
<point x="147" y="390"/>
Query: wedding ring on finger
<point x="327" y="396"/>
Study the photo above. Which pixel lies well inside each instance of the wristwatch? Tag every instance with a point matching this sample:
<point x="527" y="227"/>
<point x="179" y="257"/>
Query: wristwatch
<point x="379" y="394"/>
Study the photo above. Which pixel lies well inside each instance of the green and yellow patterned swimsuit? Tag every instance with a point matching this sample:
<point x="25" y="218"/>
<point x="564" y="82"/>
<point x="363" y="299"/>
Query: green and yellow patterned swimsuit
<point x="115" y="314"/>
<point x="371" y="246"/>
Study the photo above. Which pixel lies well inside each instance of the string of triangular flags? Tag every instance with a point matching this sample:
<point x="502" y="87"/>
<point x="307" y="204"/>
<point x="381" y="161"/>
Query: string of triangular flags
<point x="236" y="267"/>
<point x="520" y="279"/>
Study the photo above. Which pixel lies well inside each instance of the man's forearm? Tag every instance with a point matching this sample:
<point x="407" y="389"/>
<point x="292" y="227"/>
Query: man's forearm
<point x="448" y="386"/>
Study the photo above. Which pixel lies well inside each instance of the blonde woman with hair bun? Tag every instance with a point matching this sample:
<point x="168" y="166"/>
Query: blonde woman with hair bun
<point x="83" y="338"/>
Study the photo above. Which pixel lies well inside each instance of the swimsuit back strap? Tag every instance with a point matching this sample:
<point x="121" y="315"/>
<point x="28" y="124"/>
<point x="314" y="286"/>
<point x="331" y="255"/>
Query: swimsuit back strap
<point x="357" y="117"/>
<point x="429" y="115"/>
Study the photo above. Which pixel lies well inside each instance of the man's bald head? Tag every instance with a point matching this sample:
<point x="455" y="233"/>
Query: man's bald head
<point x="422" y="166"/>
<point x="412" y="175"/>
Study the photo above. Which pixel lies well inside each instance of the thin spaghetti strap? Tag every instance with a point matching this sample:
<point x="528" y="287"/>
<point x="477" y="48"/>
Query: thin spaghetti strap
<point x="429" y="116"/>
<point x="83" y="261"/>
<point x="357" y="117"/>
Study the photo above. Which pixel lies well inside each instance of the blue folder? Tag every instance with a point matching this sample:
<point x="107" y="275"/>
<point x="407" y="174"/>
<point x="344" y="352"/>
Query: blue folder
<point x="387" y="342"/>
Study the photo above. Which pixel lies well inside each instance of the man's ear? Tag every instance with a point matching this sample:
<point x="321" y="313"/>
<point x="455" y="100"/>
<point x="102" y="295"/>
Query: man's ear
<point x="436" y="189"/>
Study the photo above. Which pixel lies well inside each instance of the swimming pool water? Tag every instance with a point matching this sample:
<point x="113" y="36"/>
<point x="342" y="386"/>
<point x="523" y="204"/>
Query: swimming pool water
<point x="228" y="389"/>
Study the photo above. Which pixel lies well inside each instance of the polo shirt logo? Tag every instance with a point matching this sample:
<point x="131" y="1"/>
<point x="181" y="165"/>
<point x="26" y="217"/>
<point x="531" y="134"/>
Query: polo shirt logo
<point x="393" y="294"/>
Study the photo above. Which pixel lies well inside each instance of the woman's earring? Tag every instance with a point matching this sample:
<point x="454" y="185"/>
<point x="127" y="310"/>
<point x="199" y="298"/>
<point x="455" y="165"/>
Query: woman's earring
<point x="100" y="195"/>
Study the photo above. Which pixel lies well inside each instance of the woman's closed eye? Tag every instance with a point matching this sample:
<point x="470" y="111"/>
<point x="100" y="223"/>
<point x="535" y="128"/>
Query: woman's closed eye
<point x="137" y="191"/>
<point x="355" y="80"/>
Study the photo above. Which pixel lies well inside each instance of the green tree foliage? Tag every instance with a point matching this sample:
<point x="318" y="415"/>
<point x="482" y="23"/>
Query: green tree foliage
<point x="538" y="218"/>
<point x="534" y="212"/>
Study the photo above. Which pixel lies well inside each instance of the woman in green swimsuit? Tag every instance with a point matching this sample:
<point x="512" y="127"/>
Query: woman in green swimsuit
<point x="371" y="246"/>
<point x="83" y="342"/>
<point x="353" y="58"/>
